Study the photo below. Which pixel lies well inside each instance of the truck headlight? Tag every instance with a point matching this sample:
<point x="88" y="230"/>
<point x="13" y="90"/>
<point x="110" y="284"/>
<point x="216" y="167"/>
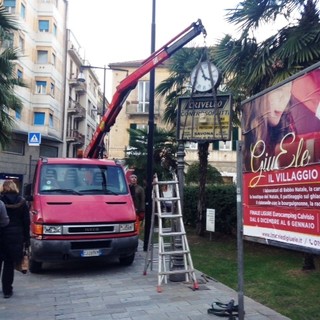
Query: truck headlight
<point x="126" y="227"/>
<point x="52" y="229"/>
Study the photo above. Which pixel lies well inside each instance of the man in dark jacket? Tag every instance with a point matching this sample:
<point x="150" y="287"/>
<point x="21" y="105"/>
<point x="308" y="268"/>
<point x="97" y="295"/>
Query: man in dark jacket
<point x="138" y="196"/>
<point x="15" y="236"/>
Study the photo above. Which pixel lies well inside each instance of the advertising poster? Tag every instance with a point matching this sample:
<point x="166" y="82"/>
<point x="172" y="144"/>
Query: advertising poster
<point x="281" y="164"/>
<point x="199" y="118"/>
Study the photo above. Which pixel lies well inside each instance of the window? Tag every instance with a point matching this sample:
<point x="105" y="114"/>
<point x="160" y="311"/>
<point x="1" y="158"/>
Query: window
<point x="52" y="89"/>
<point x="136" y="126"/>
<point x="8" y="40"/>
<point x="51" y="120"/>
<point x="21" y="43"/>
<point x="18" y="115"/>
<point x="44" y="25"/>
<point x="225" y="145"/>
<point x="191" y="145"/>
<point x="53" y="59"/>
<point x="23" y="11"/>
<point x="143" y="96"/>
<point x="48" y="151"/>
<point x="228" y="145"/>
<point x="42" y="56"/>
<point x="19" y="74"/>
<point x="39" y="118"/>
<point x="142" y="127"/>
<point x="54" y="29"/>
<point x="41" y="87"/>
<point x="10" y="5"/>
<point x="15" y="146"/>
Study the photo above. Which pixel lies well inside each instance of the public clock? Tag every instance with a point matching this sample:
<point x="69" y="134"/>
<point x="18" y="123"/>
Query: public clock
<point x="200" y="76"/>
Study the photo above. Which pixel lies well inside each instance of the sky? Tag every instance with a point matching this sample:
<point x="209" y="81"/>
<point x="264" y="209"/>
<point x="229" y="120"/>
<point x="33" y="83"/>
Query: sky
<point x="110" y="31"/>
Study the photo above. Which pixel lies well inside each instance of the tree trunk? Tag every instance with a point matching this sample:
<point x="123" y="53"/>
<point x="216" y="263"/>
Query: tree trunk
<point x="203" y="167"/>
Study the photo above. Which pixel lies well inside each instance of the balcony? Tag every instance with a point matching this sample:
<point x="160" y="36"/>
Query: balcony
<point x="74" y="136"/>
<point x="133" y="108"/>
<point x="79" y="87"/>
<point x="76" y="109"/>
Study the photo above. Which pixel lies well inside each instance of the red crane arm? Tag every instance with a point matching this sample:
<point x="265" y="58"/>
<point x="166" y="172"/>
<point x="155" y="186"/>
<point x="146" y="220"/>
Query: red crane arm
<point x="96" y="144"/>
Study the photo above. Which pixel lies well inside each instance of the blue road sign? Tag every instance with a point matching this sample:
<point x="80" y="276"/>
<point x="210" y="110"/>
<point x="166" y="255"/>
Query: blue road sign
<point x="34" y="138"/>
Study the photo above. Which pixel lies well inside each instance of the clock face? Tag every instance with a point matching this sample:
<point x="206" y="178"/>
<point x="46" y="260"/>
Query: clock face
<point x="200" y="77"/>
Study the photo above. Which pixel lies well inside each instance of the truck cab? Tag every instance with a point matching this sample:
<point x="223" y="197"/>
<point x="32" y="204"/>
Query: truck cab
<point x="80" y="209"/>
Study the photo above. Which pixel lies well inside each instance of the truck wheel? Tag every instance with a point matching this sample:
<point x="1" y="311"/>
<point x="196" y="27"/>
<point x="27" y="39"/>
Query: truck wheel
<point x="35" y="266"/>
<point x="127" y="261"/>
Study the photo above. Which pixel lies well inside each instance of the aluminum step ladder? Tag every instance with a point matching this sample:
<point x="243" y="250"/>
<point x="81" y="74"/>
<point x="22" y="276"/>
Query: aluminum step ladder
<point x="174" y="257"/>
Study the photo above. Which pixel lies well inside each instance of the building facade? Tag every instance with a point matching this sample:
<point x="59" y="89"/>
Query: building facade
<point x="57" y="108"/>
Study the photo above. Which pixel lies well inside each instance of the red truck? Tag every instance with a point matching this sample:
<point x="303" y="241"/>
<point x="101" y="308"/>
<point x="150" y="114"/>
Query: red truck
<point x="82" y="207"/>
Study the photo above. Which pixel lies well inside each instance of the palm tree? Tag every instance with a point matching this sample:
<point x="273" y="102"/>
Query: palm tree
<point x="8" y="77"/>
<point x="164" y="151"/>
<point x="250" y="66"/>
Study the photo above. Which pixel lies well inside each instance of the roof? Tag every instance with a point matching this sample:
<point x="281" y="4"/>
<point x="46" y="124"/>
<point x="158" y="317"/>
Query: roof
<point x="85" y="161"/>
<point x="135" y="64"/>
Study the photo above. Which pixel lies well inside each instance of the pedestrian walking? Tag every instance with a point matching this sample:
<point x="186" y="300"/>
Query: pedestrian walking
<point x="15" y="236"/>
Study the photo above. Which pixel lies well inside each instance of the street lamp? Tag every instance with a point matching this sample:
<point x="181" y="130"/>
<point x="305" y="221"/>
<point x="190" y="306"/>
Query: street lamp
<point x="150" y="136"/>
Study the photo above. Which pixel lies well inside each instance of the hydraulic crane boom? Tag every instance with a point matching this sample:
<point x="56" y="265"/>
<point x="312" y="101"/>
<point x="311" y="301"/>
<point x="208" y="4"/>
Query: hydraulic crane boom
<point x="96" y="144"/>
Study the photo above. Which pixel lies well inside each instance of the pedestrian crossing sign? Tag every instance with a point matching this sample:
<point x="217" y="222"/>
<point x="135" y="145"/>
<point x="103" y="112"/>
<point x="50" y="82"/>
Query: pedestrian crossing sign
<point x="34" y="138"/>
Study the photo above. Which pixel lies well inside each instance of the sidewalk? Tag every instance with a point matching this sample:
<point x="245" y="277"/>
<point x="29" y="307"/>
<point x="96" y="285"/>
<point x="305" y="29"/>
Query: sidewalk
<point x="107" y="291"/>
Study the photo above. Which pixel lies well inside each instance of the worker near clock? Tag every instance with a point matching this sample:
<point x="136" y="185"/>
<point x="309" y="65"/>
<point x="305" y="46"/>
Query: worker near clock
<point x="138" y="196"/>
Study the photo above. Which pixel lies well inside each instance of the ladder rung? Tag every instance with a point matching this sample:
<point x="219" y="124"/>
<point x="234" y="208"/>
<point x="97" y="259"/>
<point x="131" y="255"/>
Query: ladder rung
<point x="167" y="182"/>
<point x="179" y="233"/>
<point x="174" y="252"/>
<point x="168" y="198"/>
<point x="169" y="216"/>
<point x="176" y="271"/>
<point x="163" y="229"/>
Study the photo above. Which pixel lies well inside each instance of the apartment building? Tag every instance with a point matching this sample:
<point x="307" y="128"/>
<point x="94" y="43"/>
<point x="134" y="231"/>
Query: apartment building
<point x="135" y="114"/>
<point x="57" y="108"/>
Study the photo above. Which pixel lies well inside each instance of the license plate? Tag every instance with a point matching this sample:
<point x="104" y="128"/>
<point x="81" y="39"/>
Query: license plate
<point x="90" y="253"/>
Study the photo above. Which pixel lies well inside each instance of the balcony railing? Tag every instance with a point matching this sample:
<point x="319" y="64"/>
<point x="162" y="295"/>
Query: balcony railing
<point x="76" y="109"/>
<point x="134" y="108"/>
<point x="74" y="136"/>
<point x="79" y="87"/>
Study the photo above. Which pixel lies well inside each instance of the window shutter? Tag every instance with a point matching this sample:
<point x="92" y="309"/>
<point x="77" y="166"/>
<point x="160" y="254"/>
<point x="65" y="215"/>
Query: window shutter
<point x="215" y="145"/>
<point x="132" y="127"/>
<point x="235" y="137"/>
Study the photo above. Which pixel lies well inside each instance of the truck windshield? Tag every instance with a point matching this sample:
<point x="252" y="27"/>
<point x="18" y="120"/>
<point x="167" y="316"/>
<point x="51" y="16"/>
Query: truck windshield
<point x="82" y="179"/>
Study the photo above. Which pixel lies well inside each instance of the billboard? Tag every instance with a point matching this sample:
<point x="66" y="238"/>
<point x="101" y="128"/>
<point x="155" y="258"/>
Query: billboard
<point x="201" y="119"/>
<point x="281" y="163"/>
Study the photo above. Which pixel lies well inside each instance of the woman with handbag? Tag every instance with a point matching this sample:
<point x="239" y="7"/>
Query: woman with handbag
<point x="15" y="236"/>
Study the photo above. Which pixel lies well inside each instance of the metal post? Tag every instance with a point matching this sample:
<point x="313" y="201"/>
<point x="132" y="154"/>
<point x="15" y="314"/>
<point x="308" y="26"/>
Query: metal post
<point x="240" y="232"/>
<point x="104" y="91"/>
<point x="150" y="138"/>
<point x="180" y="169"/>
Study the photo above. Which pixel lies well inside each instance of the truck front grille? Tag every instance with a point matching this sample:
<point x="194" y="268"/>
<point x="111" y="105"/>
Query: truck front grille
<point x="90" y="229"/>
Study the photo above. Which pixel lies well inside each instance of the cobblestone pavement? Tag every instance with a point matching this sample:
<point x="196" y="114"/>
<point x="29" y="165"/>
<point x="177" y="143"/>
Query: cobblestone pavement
<point x="106" y="290"/>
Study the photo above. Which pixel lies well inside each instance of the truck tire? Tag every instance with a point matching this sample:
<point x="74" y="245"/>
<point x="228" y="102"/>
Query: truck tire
<point x="127" y="261"/>
<point x="35" y="266"/>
